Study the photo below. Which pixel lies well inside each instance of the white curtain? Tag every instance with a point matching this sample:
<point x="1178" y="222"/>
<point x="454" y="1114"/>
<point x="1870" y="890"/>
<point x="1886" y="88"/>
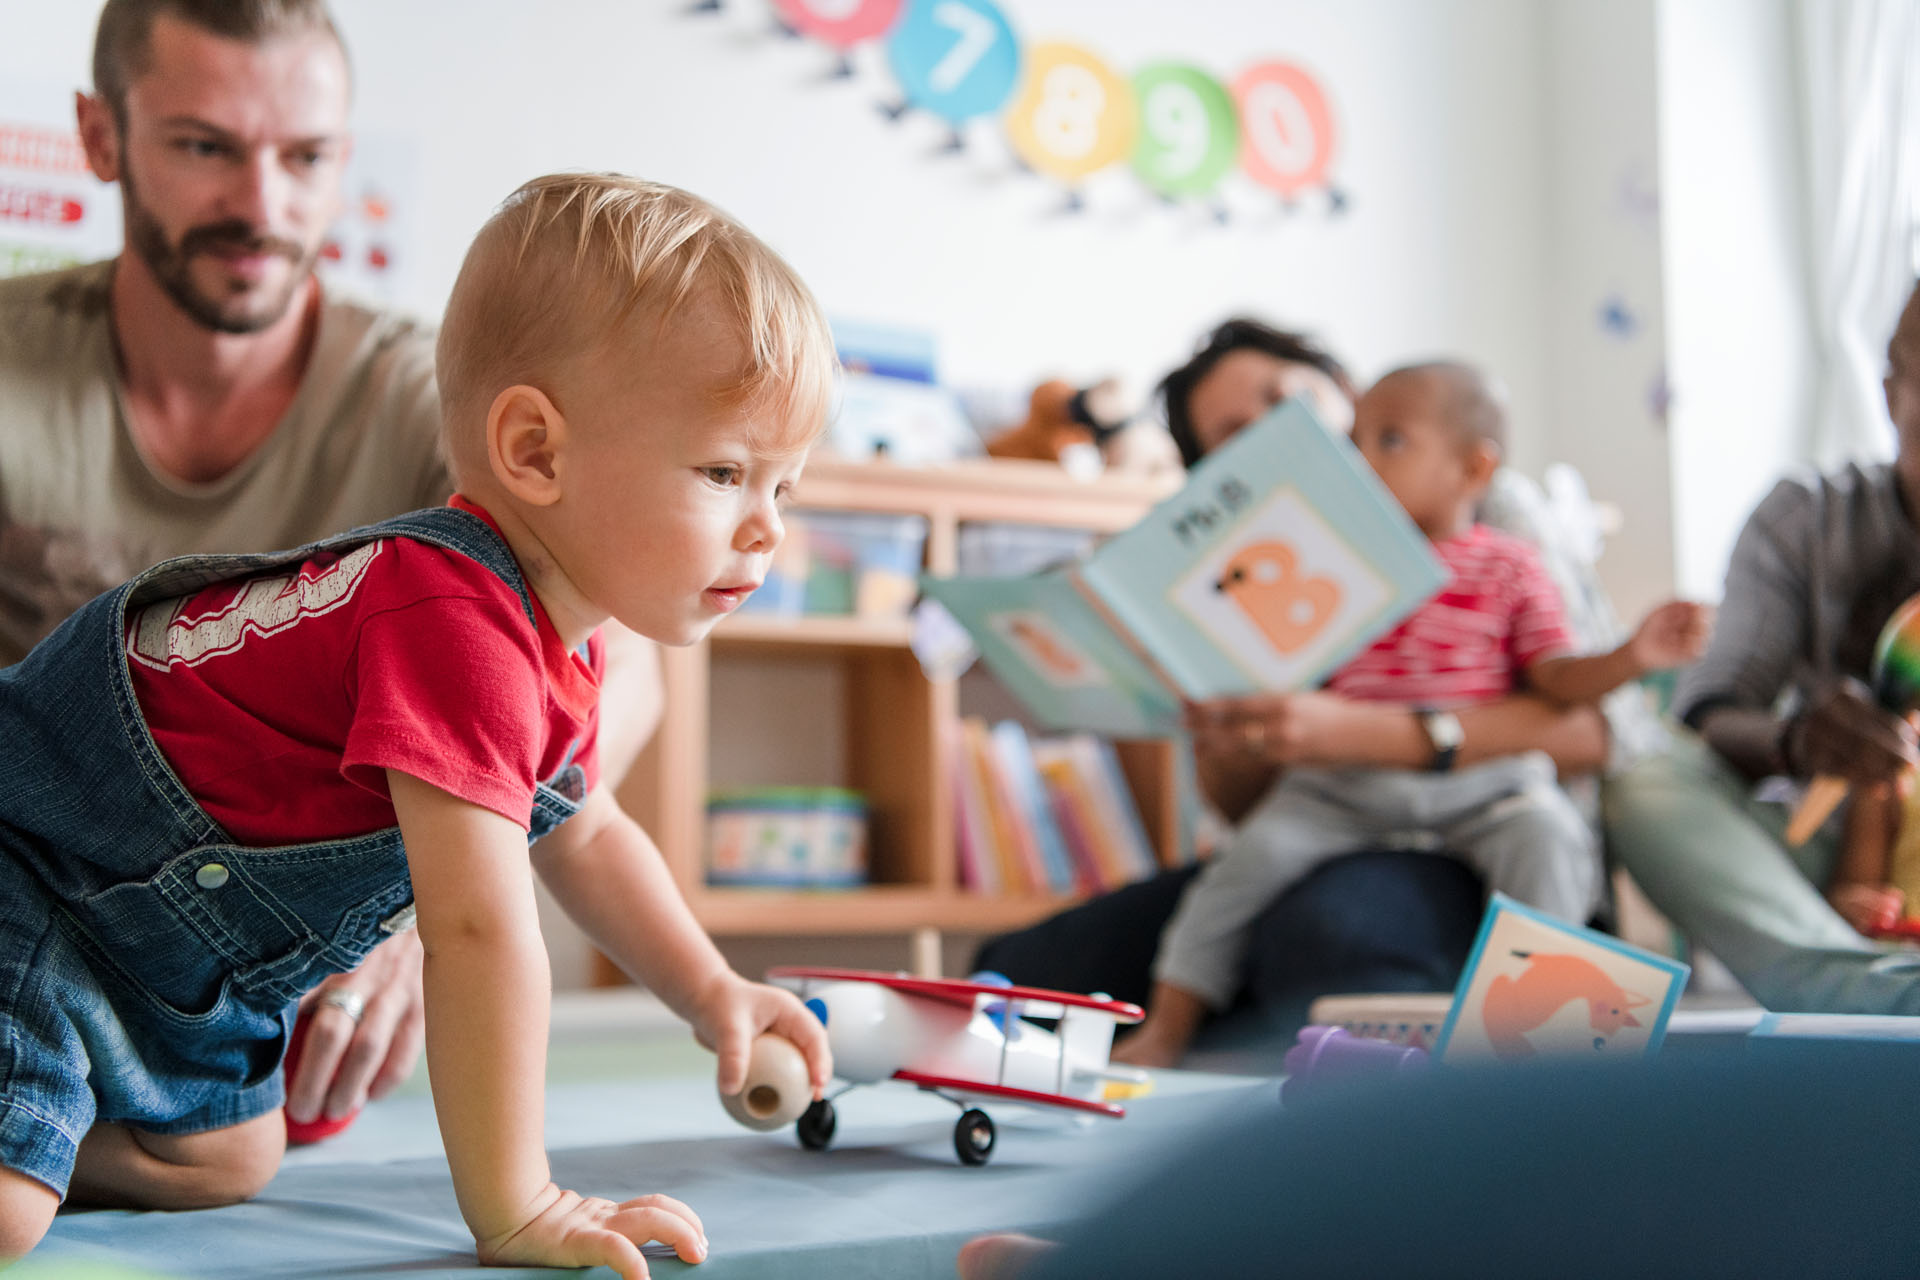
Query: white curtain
<point x="1860" y="117"/>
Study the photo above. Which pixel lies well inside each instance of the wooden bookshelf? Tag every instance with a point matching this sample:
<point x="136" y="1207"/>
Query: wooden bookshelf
<point x="896" y="725"/>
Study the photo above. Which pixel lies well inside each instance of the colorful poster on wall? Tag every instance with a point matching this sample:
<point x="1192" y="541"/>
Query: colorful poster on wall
<point x="1074" y="116"/>
<point x="1068" y="114"/>
<point x="955" y="58"/>
<point x="369" y="252"/>
<point x="1287" y="131"/>
<point x="53" y="212"/>
<point x="1189" y="136"/>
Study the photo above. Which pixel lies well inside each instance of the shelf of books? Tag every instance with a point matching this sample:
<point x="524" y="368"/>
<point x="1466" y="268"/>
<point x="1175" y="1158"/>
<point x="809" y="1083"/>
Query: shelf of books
<point x="1046" y="815"/>
<point x="968" y="828"/>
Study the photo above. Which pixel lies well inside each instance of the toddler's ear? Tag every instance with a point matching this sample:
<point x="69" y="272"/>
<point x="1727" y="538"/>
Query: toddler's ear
<point x="526" y="434"/>
<point x="1483" y="459"/>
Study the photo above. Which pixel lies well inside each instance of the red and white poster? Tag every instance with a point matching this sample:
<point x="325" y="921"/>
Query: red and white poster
<point x="53" y="212"/>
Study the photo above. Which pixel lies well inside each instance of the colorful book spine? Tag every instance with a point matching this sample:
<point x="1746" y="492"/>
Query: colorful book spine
<point x="1114" y="800"/>
<point x="1073" y="811"/>
<point x="1015" y="755"/>
<point x="1016" y="874"/>
<point x="972" y="840"/>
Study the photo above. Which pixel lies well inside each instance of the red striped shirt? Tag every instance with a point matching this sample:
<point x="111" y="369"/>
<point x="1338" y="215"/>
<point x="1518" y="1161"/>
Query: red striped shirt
<point x="1470" y="643"/>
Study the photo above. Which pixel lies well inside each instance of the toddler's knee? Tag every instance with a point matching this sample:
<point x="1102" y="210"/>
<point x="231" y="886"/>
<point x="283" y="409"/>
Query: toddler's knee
<point x="26" y="1211"/>
<point x="220" y="1168"/>
<point x="242" y="1169"/>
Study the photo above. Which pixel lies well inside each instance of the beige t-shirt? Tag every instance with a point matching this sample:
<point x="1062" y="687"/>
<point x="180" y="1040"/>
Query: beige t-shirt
<point x="82" y="511"/>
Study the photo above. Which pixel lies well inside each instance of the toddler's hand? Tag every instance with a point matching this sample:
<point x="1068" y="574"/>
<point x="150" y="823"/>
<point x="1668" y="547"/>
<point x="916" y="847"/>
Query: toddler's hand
<point x="1672" y="635"/>
<point x="731" y="1011"/>
<point x="570" y="1230"/>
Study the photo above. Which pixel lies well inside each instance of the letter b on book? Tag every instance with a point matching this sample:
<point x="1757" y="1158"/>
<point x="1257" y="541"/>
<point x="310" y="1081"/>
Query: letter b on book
<point x="1288" y="607"/>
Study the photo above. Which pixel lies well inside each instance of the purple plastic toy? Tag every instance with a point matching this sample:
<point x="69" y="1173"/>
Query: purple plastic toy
<point x="1329" y="1054"/>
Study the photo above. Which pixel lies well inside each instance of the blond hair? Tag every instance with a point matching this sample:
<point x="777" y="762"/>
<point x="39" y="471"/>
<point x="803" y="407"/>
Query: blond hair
<point x="571" y="262"/>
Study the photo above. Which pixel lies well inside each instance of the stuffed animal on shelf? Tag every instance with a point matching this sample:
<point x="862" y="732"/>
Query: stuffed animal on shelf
<point x="1086" y="430"/>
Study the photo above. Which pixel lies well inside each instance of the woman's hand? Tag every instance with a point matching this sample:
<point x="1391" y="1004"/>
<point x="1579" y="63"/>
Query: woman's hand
<point x="730" y="1011"/>
<point x="1279" y="729"/>
<point x="566" y="1229"/>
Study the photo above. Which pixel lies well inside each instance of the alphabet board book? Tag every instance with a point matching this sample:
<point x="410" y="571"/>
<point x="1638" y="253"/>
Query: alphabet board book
<point x="1535" y="984"/>
<point x="1281" y="557"/>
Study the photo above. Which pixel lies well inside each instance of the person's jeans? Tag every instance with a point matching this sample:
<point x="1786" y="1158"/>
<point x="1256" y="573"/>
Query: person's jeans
<point x="1711" y="858"/>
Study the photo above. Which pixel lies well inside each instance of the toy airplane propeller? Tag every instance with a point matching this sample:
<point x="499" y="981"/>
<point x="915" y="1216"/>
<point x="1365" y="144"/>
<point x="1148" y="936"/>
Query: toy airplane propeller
<point x="963" y="1041"/>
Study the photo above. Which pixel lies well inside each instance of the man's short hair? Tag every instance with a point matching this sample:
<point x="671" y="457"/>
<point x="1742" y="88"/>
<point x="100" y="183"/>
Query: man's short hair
<point x="572" y="263"/>
<point x="123" y="37"/>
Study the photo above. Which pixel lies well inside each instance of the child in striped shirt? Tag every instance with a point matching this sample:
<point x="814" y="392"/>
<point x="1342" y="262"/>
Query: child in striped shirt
<point x="1434" y="433"/>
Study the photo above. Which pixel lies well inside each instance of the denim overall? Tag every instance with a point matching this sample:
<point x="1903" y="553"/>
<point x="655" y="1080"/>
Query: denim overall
<point x="149" y="965"/>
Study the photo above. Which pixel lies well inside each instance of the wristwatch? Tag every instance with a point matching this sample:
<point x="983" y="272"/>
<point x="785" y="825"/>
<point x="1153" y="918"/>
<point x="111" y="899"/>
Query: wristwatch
<point x="1444" y="732"/>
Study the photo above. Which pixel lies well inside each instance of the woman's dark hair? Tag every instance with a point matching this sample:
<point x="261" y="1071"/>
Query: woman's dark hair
<point x="1237" y="334"/>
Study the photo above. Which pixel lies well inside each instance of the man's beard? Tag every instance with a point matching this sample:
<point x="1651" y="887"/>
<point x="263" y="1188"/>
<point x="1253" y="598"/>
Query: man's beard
<point x="171" y="264"/>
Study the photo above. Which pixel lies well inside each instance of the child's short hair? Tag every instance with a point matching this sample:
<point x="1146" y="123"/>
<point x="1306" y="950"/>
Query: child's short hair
<point x="572" y="261"/>
<point x="1472" y="405"/>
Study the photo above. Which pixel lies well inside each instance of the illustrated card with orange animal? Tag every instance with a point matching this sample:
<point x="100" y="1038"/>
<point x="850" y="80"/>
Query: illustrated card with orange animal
<point x="1280" y="556"/>
<point x="1536" y="985"/>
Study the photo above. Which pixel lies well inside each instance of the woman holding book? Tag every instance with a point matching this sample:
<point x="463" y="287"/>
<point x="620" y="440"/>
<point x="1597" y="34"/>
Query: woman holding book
<point x="1377" y="921"/>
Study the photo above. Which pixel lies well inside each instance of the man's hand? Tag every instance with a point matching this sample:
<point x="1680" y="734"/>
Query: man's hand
<point x="570" y="1230"/>
<point x="730" y="1011"/>
<point x="345" y="1061"/>
<point x="1845" y="734"/>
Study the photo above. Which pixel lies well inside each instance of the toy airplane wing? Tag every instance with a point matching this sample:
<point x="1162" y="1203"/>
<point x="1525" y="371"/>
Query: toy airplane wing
<point x="1033" y="1096"/>
<point x="1028" y="1001"/>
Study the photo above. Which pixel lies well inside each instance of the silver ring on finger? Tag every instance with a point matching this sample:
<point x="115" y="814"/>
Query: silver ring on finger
<point x="349" y="1002"/>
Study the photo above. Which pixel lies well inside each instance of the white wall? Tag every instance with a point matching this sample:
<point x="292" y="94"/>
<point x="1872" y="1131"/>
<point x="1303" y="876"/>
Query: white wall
<point x="1442" y="154"/>
<point x="1736" y="289"/>
<point x="1603" y="380"/>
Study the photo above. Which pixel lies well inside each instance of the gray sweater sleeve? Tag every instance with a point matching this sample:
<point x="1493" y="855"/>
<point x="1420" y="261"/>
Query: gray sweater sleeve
<point x="1766" y="613"/>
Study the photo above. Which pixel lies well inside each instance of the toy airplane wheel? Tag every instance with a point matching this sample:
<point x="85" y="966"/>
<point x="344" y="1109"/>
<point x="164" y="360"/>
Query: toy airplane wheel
<point x="973" y="1137"/>
<point x="815" y="1126"/>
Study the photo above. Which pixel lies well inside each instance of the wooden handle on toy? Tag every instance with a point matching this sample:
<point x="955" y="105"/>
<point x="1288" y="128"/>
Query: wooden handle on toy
<point x="777" y="1088"/>
<point x="1823" y="796"/>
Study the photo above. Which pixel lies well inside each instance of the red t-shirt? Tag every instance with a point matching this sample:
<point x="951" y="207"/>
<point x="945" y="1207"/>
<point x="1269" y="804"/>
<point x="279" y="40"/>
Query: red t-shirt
<point x="1498" y="613"/>
<point x="281" y="701"/>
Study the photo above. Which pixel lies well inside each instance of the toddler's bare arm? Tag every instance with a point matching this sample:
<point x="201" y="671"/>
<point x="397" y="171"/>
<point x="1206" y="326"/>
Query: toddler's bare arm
<point x="487" y="994"/>
<point x="610" y="878"/>
<point x="1672" y="635"/>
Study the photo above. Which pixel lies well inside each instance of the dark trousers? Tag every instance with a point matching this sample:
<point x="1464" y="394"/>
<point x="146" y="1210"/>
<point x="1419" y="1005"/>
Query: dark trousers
<point x="1380" y="921"/>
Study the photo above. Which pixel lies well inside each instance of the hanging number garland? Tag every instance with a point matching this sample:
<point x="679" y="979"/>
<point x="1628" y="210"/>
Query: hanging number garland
<point x="1068" y="114"/>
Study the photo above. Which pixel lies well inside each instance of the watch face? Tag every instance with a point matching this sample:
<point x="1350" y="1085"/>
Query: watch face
<point x="1444" y="729"/>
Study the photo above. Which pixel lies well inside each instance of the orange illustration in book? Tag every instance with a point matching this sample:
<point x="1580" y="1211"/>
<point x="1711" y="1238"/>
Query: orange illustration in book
<point x="1289" y="607"/>
<point x="1044" y="650"/>
<point x="1549" y="984"/>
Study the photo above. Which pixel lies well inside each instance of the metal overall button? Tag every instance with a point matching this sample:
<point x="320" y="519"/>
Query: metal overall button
<point x="211" y="876"/>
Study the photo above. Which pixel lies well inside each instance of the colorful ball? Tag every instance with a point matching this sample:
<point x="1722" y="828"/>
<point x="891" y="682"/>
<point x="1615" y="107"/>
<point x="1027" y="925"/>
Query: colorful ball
<point x="1896" y="660"/>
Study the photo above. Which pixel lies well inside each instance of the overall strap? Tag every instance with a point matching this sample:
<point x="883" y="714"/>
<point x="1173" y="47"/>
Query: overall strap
<point x="446" y="527"/>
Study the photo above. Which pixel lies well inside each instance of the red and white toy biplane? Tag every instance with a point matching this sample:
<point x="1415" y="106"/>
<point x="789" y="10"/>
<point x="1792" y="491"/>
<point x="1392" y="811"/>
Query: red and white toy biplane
<point x="964" y="1041"/>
